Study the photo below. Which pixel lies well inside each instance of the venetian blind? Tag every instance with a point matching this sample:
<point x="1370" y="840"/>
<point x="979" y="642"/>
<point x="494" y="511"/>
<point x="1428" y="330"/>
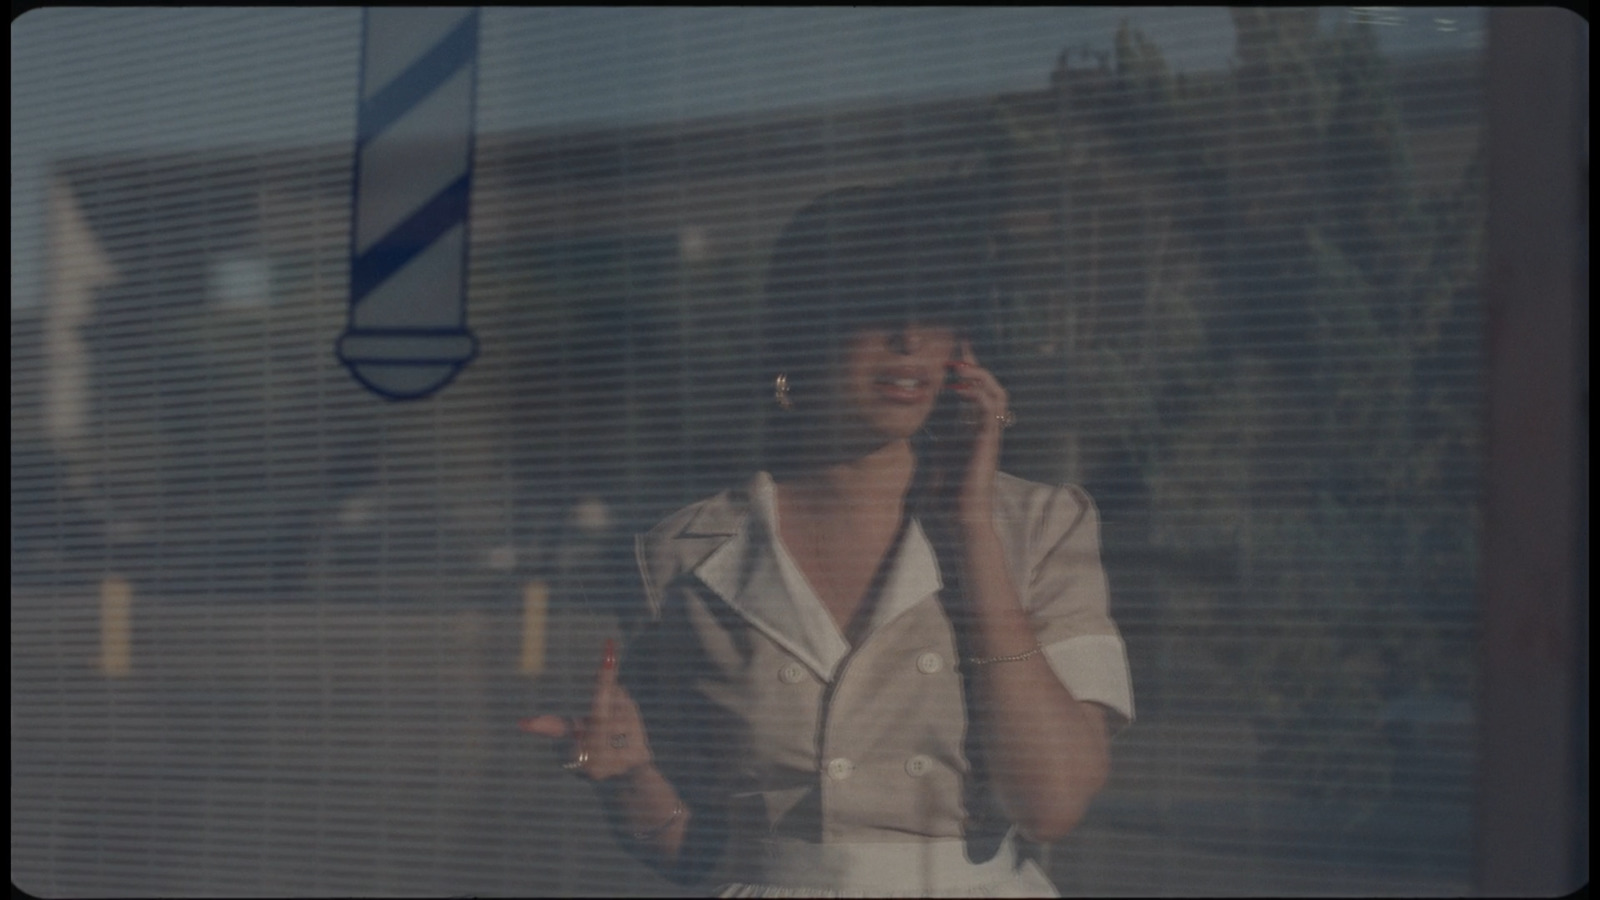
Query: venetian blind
<point x="271" y="633"/>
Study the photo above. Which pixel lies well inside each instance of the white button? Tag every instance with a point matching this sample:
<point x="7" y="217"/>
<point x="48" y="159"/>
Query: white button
<point x="790" y="674"/>
<point x="840" y="769"/>
<point x="918" y="766"/>
<point x="929" y="663"/>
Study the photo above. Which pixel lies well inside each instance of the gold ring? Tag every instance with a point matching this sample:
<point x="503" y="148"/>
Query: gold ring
<point x="579" y="763"/>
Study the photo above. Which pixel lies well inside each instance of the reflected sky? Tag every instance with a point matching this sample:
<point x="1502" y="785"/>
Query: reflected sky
<point x="107" y="76"/>
<point x="117" y="80"/>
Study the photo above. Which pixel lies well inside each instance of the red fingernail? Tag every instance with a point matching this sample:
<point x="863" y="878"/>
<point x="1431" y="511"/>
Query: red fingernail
<point x="608" y="659"/>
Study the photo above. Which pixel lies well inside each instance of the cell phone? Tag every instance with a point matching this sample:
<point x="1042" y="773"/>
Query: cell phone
<point x="944" y="425"/>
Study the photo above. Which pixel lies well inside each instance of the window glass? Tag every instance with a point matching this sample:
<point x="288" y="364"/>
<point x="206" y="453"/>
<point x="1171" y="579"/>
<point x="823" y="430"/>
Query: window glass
<point x="272" y="633"/>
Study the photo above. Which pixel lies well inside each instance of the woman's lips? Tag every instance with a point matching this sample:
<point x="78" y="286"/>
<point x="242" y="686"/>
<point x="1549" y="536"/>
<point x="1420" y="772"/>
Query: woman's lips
<point x="902" y="387"/>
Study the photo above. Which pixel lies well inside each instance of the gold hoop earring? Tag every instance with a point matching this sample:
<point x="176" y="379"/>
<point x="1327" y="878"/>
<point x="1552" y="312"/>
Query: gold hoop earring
<point x="780" y="392"/>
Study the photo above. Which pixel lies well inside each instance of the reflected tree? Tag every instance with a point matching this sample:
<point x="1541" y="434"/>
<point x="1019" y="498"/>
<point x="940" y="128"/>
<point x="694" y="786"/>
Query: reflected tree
<point x="1254" y="334"/>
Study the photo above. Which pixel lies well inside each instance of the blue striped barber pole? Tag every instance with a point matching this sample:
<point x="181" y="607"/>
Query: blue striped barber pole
<point x="407" y="335"/>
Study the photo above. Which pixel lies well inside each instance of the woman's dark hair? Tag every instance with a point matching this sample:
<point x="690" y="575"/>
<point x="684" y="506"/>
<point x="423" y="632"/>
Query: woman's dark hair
<point x="873" y="256"/>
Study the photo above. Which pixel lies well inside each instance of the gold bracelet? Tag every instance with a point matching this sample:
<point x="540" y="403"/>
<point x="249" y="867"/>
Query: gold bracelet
<point x="984" y="661"/>
<point x="677" y="810"/>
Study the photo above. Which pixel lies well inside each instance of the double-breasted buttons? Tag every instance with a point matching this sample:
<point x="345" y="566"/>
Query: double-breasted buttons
<point x="840" y="768"/>
<point x="918" y="766"/>
<point x="791" y="674"/>
<point x="929" y="663"/>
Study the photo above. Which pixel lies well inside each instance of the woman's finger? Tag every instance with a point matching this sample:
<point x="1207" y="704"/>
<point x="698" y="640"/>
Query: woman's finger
<point x="981" y="387"/>
<point x="548" y="726"/>
<point x="605" y="684"/>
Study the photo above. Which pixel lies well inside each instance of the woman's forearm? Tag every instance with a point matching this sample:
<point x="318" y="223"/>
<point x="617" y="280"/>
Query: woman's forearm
<point x="651" y="812"/>
<point x="1049" y="752"/>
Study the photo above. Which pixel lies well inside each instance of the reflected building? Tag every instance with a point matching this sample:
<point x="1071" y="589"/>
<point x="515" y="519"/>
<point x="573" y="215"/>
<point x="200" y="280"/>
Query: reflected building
<point x="614" y="277"/>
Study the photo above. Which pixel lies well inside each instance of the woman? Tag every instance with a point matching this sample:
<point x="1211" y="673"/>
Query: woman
<point x="881" y="667"/>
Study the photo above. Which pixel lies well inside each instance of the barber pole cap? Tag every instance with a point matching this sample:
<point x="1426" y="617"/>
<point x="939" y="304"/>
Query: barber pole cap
<point x="407" y="335"/>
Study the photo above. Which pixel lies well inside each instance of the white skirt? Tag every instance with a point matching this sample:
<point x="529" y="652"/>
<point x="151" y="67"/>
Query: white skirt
<point x="935" y="868"/>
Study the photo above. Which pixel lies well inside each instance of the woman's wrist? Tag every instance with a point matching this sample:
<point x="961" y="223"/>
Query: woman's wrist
<point x="643" y="773"/>
<point x="653" y="831"/>
<point x="634" y="781"/>
<point x="978" y="535"/>
<point x="641" y="788"/>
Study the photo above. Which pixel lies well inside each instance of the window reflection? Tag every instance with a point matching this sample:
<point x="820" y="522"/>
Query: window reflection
<point x="1239" y="269"/>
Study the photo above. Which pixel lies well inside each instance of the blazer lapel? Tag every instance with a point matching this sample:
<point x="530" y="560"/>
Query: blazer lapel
<point x="912" y="578"/>
<point x="752" y="574"/>
<point x="729" y="547"/>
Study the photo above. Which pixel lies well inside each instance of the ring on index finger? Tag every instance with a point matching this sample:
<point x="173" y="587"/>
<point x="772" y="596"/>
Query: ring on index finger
<point x="574" y="737"/>
<point x="577" y="764"/>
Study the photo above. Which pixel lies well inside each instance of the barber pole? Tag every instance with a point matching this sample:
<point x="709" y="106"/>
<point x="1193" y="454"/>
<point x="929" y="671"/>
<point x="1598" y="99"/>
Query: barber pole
<point x="407" y="334"/>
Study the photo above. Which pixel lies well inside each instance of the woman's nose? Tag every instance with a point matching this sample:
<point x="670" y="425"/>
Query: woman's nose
<point x="907" y="339"/>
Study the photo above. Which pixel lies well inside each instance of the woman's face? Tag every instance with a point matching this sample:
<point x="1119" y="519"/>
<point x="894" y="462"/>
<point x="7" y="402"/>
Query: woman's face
<point x="891" y="376"/>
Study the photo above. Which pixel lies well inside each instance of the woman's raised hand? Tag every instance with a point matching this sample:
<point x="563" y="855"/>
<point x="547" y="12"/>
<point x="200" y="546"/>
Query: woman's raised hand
<point x="989" y="411"/>
<point x="608" y="742"/>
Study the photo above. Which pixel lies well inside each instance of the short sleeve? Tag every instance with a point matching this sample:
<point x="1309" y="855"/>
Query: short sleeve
<point x="1068" y="598"/>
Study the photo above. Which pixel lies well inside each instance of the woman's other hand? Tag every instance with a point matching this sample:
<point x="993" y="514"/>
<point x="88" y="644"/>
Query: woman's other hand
<point x="986" y="407"/>
<point x="610" y="741"/>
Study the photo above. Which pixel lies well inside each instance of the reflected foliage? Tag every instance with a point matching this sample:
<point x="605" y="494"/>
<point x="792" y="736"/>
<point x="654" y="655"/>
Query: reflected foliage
<point x="1254" y="329"/>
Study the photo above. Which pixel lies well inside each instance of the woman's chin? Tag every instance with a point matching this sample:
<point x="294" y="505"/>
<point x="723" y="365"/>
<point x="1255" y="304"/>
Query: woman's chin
<point x="892" y="427"/>
<point x="861" y="435"/>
